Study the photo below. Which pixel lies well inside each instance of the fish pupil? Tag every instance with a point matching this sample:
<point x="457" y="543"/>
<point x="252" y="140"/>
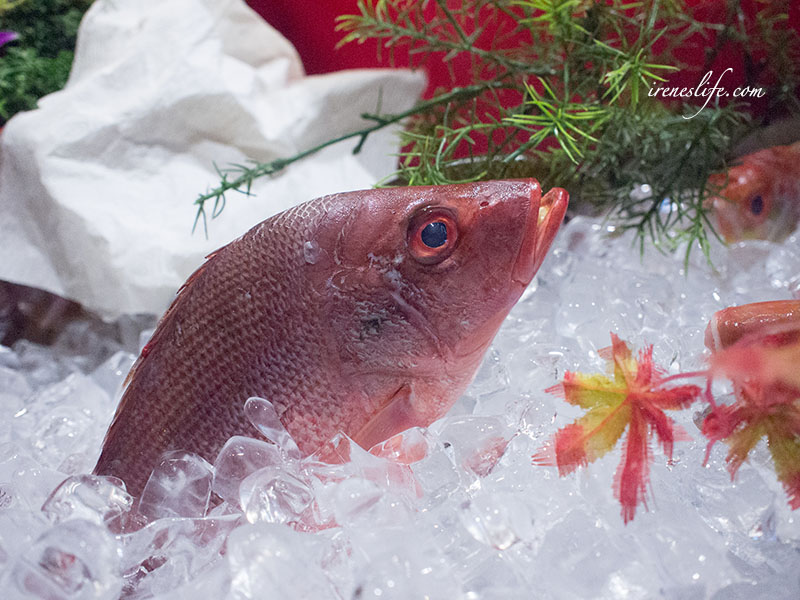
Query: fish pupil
<point x="434" y="234"/>
<point x="757" y="205"/>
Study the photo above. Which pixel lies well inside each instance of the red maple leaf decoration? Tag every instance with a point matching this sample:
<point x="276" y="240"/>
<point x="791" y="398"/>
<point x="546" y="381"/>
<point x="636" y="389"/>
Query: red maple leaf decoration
<point x="765" y="371"/>
<point x="634" y="400"/>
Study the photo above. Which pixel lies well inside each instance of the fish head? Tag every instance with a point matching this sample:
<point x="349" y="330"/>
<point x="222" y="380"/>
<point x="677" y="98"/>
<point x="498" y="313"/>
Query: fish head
<point x="424" y="276"/>
<point x="758" y="198"/>
<point x="469" y="253"/>
<point x="743" y="206"/>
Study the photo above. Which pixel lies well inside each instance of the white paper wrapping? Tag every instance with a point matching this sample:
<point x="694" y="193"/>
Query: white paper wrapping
<point x="97" y="185"/>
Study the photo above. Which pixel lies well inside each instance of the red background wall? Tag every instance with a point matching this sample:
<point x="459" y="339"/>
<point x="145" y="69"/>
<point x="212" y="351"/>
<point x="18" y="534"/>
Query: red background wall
<point x="310" y="26"/>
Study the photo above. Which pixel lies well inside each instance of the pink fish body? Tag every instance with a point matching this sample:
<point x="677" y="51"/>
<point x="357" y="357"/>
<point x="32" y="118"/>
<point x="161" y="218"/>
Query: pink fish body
<point x="757" y="347"/>
<point x="731" y="324"/>
<point x="759" y="196"/>
<point x="364" y="312"/>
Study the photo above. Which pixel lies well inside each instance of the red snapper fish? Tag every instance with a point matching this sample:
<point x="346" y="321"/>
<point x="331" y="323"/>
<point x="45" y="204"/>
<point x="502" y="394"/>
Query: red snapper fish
<point x="731" y="324"/>
<point x="757" y="347"/>
<point x="364" y="312"/>
<point x="759" y="196"/>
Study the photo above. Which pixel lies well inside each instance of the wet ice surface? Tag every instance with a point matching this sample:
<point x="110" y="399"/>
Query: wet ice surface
<point x="454" y="511"/>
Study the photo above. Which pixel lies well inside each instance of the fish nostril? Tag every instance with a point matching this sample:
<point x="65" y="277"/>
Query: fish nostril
<point x="484" y="204"/>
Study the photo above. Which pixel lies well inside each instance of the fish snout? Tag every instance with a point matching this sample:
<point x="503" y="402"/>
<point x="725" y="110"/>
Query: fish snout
<point x="545" y="214"/>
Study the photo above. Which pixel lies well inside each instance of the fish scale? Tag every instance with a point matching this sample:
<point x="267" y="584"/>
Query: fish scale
<point x="221" y="321"/>
<point x="367" y="338"/>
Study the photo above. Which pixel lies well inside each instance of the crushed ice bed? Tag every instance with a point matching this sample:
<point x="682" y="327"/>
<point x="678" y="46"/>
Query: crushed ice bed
<point x="456" y="510"/>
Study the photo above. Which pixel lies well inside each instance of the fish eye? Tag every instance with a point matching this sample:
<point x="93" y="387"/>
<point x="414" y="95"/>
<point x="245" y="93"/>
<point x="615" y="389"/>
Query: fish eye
<point x="432" y="235"/>
<point x="757" y="204"/>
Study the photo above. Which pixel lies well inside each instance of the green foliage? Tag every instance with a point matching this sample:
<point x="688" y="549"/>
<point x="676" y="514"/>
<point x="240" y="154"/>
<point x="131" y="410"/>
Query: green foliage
<point x="243" y="175"/>
<point x="560" y="93"/>
<point x="558" y="117"/>
<point x="39" y="62"/>
<point x="7" y="5"/>
<point x="25" y="77"/>
<point x="49" y="26"/>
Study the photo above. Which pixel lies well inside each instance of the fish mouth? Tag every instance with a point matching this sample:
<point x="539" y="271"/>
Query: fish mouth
<point x="545" y="214"/>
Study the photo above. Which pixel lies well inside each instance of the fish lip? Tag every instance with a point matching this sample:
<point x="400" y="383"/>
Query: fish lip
<point x="545" y="214"/>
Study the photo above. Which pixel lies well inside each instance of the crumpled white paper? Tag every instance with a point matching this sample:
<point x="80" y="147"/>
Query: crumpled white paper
<point x="97" y="185"/>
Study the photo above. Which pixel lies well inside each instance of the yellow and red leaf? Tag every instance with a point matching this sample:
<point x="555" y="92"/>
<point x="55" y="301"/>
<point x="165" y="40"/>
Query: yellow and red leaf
<point x="633" y="398"/>
<point x="765" y="370"/>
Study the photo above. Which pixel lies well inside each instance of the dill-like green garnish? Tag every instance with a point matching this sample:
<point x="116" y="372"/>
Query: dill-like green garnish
<point x="563" y="92"/>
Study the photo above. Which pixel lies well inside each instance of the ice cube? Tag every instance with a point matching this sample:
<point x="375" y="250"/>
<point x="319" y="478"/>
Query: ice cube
<point x="131" y="327"/>
<point x="13" y="383"/>
<point x="94" y="498"/>
<point x="262" y="415"/>
<point x="437" y="476"/>
<point x="239" y="457"/>
<point x="406" y="447"/>
<point x="75" y="560"/>
<point x="110" y="375"/>
<point x="10" y="405"/>
<point x="498" y="520"/>
<point x="272" y="561"/>
<point x="61" y="432"/>
<point x="581" y="555"/>
<point x="212" y="582"/>
<point x="67" y="417"/>
<point x="32" y="484"/>
<point x="395" y="561"/>
<point x="361" y="503"/>
<point x="40" y="364"/>
<point x="167" y="553"/>
<point x="180" y="486"/>
<point x="274" y="495"/>
<point x="386" y="473"/>
<point x="492" y="377"/>
<point x="477" y="442"/>
<point x="9" y="358"/>
<point x="493" y="577"/>
<point x="353" y="499"/>
<point x="19" y="528"/>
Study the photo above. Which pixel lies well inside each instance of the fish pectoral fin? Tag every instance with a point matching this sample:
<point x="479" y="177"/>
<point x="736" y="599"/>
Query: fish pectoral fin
<point x="396" y="415"/>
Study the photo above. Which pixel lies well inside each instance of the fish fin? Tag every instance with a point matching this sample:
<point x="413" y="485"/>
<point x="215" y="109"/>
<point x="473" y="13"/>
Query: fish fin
<point x="394" y="416"/>
<point x="163" y="323"/>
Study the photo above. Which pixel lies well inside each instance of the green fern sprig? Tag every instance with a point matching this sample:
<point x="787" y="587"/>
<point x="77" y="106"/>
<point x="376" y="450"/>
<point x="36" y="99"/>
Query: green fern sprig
<point x="560" y="118"/>
<point x="561" y="94"/>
